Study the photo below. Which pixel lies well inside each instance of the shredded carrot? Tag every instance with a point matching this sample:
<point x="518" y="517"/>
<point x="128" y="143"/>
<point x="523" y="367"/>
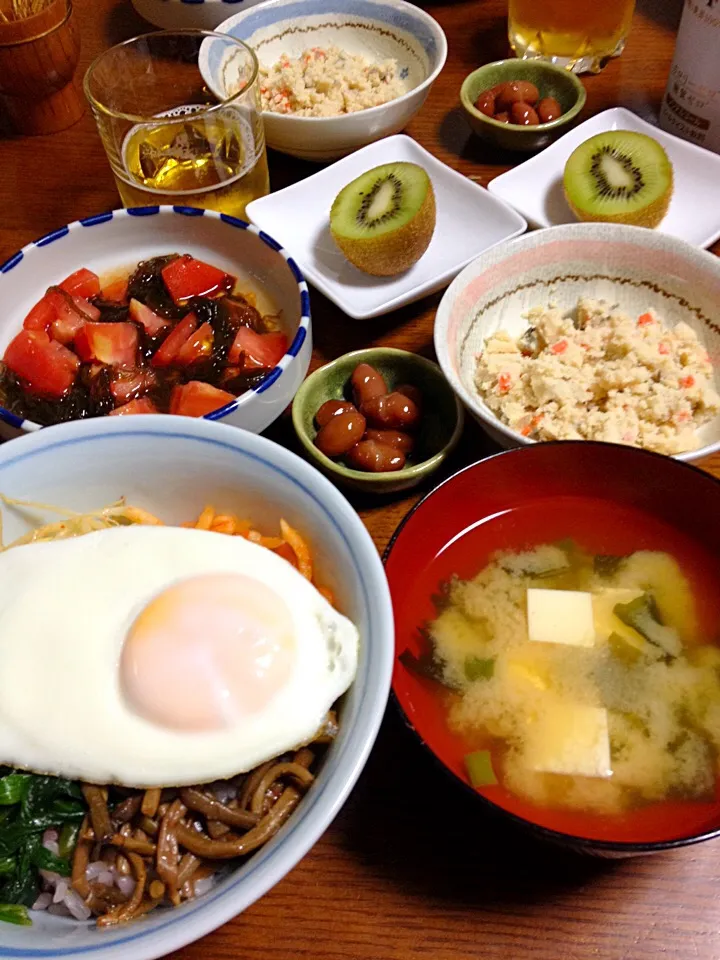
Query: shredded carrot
<point x="272" y="543"/>
<point x="328" y="594"/>
<point x="302" y="551"/>
<point x="204" y="521"/>
<point x="644" y="319"/>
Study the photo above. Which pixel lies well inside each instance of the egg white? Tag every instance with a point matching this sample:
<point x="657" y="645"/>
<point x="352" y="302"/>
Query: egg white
<point x="65" y="609"/>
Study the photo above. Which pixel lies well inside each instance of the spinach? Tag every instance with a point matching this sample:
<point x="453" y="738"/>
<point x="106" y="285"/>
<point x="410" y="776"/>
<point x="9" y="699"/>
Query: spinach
<point x="29" y="805"/>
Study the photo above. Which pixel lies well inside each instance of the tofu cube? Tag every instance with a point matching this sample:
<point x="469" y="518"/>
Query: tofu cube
<point x="569" y="739"/>
<point x="561" y="616"/>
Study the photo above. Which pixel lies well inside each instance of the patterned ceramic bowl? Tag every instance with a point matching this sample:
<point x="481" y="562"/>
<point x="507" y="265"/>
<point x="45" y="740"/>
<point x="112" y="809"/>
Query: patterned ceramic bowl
<point x="121" y="238"/>
<point x="376" y="29"/>
<point x="635" y="268"/>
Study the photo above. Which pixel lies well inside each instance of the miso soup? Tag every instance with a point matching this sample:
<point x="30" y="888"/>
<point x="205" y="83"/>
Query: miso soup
<point x="584" y="686"/>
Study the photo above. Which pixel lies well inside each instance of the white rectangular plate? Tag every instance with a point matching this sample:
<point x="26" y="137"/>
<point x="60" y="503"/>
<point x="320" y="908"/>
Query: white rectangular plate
<point x="469" y="220"/>
<point x="535" y="187"/>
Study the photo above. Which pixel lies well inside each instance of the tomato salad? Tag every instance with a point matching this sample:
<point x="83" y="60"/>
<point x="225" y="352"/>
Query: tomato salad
<point x="175" y="336"/>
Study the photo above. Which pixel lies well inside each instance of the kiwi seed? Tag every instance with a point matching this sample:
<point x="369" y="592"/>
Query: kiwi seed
<point x="619" y="177"/>
<point x="383" y="221"/>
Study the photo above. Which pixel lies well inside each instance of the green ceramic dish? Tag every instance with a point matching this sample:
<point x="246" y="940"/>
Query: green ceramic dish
<point x="551" y="81"/>
<point x="441" y="425"/>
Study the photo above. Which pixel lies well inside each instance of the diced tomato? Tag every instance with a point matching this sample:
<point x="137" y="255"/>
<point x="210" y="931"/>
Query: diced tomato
<point x="187" y="277"/>
<point x="153" y="324"/>
<point x="197" y="346"/>
<point x="113" y="343"/>
<point x="82" y="283"/>
<point x="688" y="381"/>
<point x="143" y="405"/>
<point x="71" y="313"/>
<point x="645" y="318"/>
<point x="128" y="385"/>
<point x="47" y="367"/>
<point x="41" y="316"/>
<point x="262" y="350"/>
<point x="559" y="346"/>
<point x="195" y="399"/>
<point x="169" y="348"/>
<point x="115" y="292"/>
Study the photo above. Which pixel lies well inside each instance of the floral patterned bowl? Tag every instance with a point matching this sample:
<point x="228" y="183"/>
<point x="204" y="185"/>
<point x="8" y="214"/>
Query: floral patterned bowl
<point x="635" y="268"/>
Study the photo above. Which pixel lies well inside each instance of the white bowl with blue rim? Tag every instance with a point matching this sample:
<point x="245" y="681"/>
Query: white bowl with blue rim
<point x="119" y="239"/>
<point x="173" y="466"/>
<point x="376" y="29"/>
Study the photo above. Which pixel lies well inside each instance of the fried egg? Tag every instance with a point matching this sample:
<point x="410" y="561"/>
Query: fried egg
<point x="156" y="656"/>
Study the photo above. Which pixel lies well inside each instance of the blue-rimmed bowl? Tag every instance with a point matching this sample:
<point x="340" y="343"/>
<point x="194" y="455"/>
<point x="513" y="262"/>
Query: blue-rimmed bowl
<point x="376" y="29"/>
<point x="119" y="239"/>
<point x="173" y="466"/>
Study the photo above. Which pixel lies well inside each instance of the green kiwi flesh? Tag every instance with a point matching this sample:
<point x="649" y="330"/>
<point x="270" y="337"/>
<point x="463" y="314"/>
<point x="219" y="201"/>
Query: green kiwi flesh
<point x="384" y="220"/>
<point x="620" y="177"/>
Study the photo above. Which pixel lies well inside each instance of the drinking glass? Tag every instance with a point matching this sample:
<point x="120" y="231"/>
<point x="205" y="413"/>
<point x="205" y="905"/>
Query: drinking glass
<point x="581" y="35"/>
<point x="179" y="117"/>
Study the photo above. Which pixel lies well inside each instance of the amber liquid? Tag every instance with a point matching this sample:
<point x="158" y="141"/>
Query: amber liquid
<point x="570" y="32"/>
<point x="214" y="163"/>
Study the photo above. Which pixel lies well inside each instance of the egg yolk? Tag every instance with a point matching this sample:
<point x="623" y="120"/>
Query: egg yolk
<point x="207" y="652"/>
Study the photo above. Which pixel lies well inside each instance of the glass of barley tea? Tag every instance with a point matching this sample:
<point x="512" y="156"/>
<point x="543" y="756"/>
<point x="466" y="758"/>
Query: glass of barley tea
<point x="179" y="117"/>
<point x="581" y="35"/>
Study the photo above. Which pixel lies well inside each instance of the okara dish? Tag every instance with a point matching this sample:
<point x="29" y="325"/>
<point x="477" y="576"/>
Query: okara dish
<point x="181" y="728"/>
<point x="598" y="374"/>
<point x="328" y="82"/>
<point x="175" y="335"/>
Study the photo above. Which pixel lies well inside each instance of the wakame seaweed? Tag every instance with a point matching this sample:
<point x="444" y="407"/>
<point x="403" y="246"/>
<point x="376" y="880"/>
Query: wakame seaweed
<point x="29" y="805"/>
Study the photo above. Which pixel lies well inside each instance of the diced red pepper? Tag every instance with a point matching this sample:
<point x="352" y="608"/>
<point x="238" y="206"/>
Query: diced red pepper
<point x="187" y="277"/>
<point x="645" y="318"/>
<point x="261" y="350"/>
<point x="153" y="324"/>
<point x="129" y="385"/>
<point x="113" y="343"/>
<point x="115" y="292"/>
<point x="48" y="368"/>
<point x="195" y="399"/>
<point x="170" y="347"/>
<point x="143" y="405"/>
<point x="197" y="346"/>
<point x="41" y="316"/>
<point x="82" y="283"/>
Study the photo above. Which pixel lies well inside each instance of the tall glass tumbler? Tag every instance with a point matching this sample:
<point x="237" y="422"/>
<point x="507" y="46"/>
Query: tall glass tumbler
<point x="179" y="116"/>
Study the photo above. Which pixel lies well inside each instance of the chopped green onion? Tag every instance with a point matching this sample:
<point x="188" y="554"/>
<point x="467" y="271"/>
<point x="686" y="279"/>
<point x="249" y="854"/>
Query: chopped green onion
<point x="478" y="669"/>
<point x="480" y="769"/>
<point x="15" y="913"/>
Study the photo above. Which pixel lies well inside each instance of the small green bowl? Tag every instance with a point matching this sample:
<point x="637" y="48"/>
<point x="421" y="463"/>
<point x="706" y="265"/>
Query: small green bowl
<point x="442" y="421"/>
<point x="551" y="81"/>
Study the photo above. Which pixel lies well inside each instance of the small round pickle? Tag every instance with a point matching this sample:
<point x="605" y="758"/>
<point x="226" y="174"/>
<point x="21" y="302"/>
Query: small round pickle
<point x="374" y="457"/>
<point x="340" y="433"/>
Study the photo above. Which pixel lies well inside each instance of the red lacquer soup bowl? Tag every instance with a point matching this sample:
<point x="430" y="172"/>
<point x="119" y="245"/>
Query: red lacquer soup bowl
<point x="612" y="500"/>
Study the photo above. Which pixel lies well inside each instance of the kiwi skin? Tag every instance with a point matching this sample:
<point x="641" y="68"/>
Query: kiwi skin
<point x="391" y="253"/>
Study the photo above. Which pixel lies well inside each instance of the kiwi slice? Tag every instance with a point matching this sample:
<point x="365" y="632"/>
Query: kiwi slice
<point x="384" y="220"/>
<point x="620" y="177"/>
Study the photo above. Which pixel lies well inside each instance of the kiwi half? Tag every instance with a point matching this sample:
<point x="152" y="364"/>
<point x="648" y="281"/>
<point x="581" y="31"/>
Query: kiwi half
<point x="619" y="177"/>
<point x="384" y="220"/>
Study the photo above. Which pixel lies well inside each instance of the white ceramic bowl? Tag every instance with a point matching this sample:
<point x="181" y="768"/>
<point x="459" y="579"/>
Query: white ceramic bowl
<point x="174" y="466"/>
<point x="121" y="238"/>
<point x="631" y="266"/>
<point x="376" y="29"/>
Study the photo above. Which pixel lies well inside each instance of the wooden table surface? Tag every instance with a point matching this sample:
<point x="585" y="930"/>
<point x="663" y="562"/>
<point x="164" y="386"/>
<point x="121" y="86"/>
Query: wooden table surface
<point x="412" y="868"/>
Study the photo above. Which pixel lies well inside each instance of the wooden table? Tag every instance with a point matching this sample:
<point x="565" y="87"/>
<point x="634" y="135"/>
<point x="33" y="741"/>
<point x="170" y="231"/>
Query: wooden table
<point x="412" y="868"/>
